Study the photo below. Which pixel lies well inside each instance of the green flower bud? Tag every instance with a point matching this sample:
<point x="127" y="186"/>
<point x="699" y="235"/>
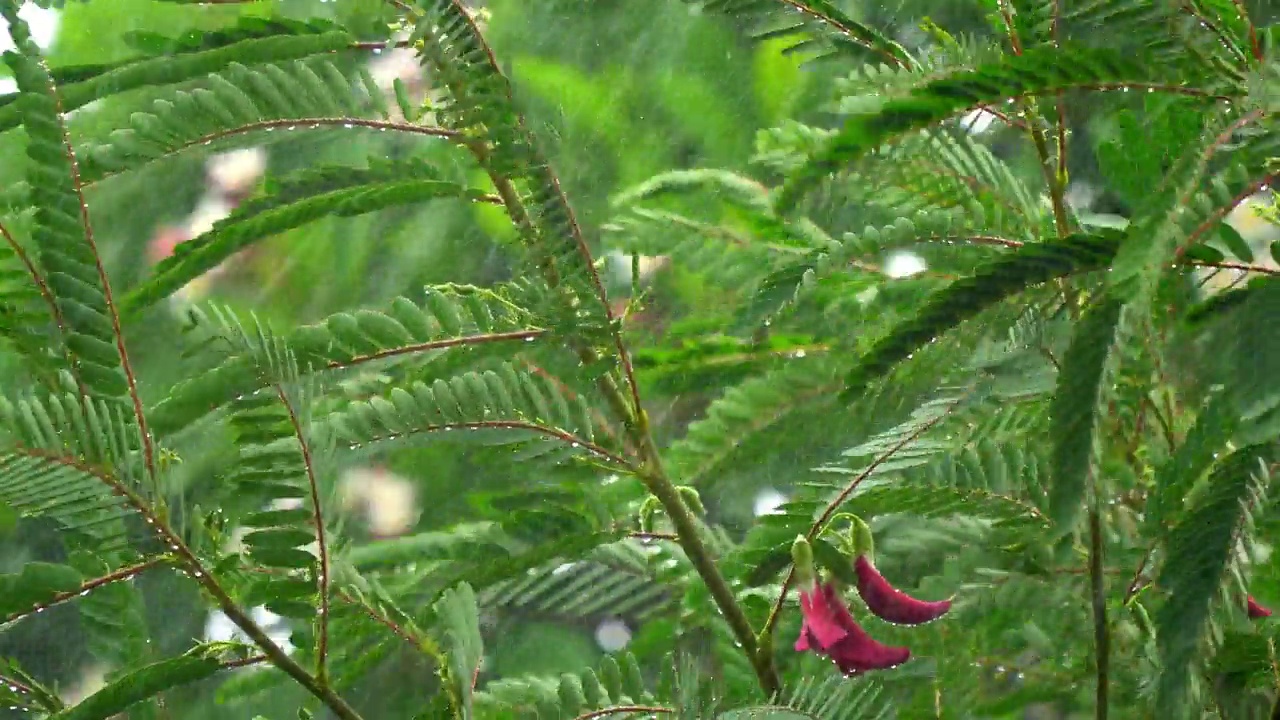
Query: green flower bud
<point x="802" y="558"/>
<point x="860" y="535"/>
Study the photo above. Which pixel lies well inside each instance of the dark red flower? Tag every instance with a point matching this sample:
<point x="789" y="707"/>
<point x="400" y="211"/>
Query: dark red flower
<point x="1257" y="611"/>
<point x="829" y="629"/>
<point x="890" y="604"/>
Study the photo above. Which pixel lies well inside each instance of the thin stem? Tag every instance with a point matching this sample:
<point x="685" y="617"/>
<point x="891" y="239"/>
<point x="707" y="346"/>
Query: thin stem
<point x="322" y="545"/>
<point x="38" y="281"/>
<point x="656" y="481"/>
<point x="653" y="536"/>
<point x="562" y="435"/>
<point x="1055" y="180"/>
<point x="89" y="585"/>
<point x="807" y="9"/>
<point x="625" y="709"/>
<point x="309" y="122"/>
<point x="1098" y="589"/>
<point x="1055" y="31"/>
<point x="439" y="345"/>
<point x="1255" y="46"/>
<point x="1227" y="41"/>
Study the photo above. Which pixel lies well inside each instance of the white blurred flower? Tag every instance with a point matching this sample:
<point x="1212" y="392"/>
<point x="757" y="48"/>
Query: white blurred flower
<point x="92" y="679"/>
<point x="388" y="502"/>
<point x="43" y="24"/>
<point x="233" y="174"/>
<point x="904" y="264"/>
<point x="612" y="635"/>
<point x="768" y="501"/>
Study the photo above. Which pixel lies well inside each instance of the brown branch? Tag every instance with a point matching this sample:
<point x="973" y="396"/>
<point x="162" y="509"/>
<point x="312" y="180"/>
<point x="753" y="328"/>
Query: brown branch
<point x="1221" y="213"/>
<point x="653" y="536"/>
<point x="1055" y="32"/>
<point x="437" y="345"/>
<point x="1004" y="117"/>
<point x="382" y="619"/>
<point x="312" y="123"/>
<point x="16" y="685"/>
<point x="1243" y="267"/>
<point x="89" y="585"/>
<point x="632" y="414"/>
<point x="562" y="435"/>
<point x="625" y="709"/>
<point x="246" y="661"/>
<point x="322" y="547"/>
<point x="1007" y="14"/>
<point x="381" y="45"/>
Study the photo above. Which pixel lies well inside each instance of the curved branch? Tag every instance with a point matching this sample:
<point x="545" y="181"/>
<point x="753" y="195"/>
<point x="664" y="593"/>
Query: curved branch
<point x="438" y="345"/>
<point x="87" y="586"/>
<point x="626" y="709"/>
<point x="310" y="123"/>
<point x="322" y="546"/>
<point x="562" y="435"/>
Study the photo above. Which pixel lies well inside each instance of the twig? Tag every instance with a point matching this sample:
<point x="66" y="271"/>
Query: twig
<point x="625" y="709"/>
<point x="1055" y="31"/>
<point x="322" y="545"/>
<point x="310" y="122"/>
<point x="89" y="585"/>
<point x="438" y="345"/>
<point x="653" y="536"/>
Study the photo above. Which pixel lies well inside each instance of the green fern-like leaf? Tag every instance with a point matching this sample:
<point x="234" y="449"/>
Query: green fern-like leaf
<point x="498" y="406"/>
<point x="1078" y="403"/>
<point x="1197" y="554"/>
<point x="301" y="95"/>
<point x="167" y="61"/>
<point x="1037" y="70"/>
<point x="140" y="685"/>
<point x="817" y="26"/>
<point x="305" y="198"/>
<point x="75" y="275"/>
<point x="1031" y="264"/>
<point x="450" y="319"/>
<point x="459" y="619"/>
